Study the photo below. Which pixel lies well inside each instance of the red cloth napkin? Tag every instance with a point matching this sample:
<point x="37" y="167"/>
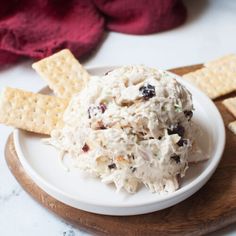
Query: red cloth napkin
<point x="39" y="28"/>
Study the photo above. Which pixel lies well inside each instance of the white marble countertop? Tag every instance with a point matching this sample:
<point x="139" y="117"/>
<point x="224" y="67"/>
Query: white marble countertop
<point x="208" y="33"/>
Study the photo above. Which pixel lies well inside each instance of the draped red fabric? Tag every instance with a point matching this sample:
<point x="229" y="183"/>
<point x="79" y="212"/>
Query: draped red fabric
<point x="142" y="16"/>
<point x="39" y="28"/>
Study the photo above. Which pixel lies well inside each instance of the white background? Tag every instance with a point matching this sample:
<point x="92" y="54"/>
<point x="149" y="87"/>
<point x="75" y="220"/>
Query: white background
<point x="209" y="32"/>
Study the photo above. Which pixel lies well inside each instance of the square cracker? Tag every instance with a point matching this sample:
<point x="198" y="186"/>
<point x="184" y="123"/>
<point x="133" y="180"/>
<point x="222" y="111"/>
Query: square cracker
<point x="213" y="83"/>
<point x="63" y="73"/>
<point x="230" y="104"/>
<point x="225" y="65"/>
<point x="32" y="112"/>
<point x="232" y="126"/>
<point x="222" y="61"/>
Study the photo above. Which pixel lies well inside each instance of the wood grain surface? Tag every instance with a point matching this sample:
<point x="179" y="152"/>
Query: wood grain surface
<point x="211" y="208"/>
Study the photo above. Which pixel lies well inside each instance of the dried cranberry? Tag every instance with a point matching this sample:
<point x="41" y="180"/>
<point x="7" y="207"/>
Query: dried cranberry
<point x="188" y="114"/>
<point x="94" y="110"/>
<point x="85" y="148"/>
<point x="176" y="158"/>
<point x="112" y="166"/>
<point x="176" y="129"/>
<point x="147" y="91"/>
<point x="103" y="107"/>
<point x="182" y="142"/>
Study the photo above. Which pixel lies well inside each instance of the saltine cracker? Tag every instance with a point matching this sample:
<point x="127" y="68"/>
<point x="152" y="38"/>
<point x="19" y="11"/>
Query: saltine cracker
<point x="63" y="73"/>
<point x="32" y="112"/>
<point x="230" y="104"/>
<point x="232" y="126"/>
<point x="212" y="83"/>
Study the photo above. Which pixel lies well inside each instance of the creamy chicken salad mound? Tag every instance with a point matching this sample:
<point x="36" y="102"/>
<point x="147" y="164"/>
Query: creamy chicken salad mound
<point x="130" y="127"/>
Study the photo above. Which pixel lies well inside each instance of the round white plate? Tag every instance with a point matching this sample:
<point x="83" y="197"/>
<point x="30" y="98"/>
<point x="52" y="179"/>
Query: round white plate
<point x="73" y="188"/>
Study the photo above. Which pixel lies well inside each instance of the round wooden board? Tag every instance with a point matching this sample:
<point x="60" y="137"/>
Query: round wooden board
<point x="211" y="208"/>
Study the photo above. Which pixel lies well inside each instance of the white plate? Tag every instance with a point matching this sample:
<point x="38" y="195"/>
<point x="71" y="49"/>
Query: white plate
<point x="41" y="163"/>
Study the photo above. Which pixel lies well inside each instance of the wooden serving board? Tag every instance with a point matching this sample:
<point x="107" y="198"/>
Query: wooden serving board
<point x="211" y="208"/>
